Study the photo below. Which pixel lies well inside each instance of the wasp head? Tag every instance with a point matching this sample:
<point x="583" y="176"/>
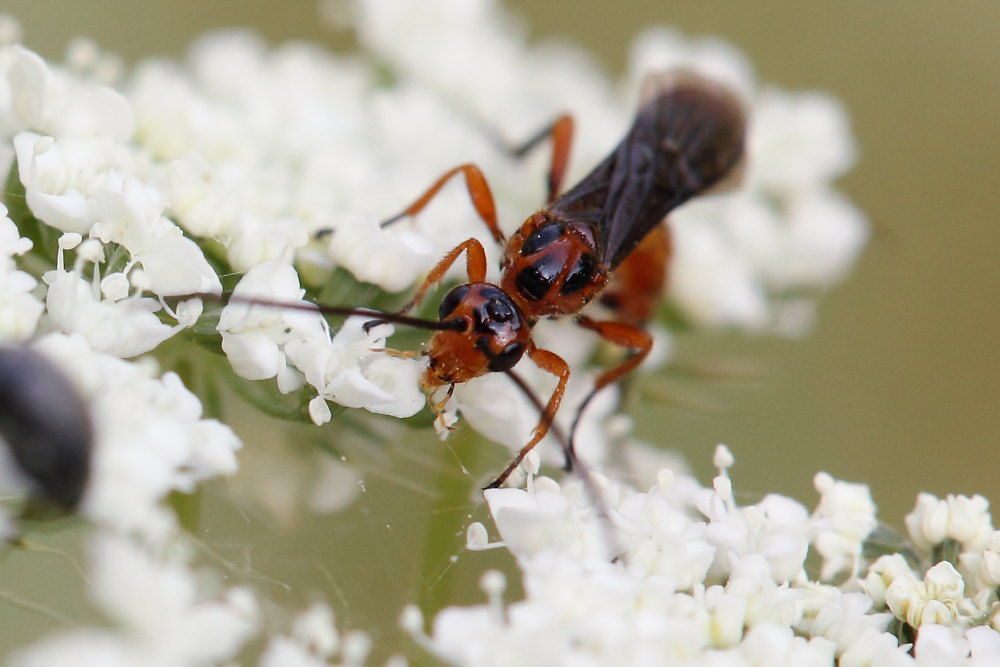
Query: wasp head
<point x="493" y="337"/>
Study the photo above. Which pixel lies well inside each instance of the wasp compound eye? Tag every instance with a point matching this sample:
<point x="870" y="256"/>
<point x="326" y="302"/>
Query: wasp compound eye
<point x="452" y="300"/>
<point x="45" y="424"/>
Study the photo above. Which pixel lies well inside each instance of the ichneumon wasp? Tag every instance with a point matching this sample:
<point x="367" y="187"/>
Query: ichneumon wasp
<point x="687" y="136"/>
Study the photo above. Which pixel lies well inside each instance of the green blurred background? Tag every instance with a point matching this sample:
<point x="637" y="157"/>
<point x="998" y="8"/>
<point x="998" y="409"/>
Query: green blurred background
<point x="899" y="385"/>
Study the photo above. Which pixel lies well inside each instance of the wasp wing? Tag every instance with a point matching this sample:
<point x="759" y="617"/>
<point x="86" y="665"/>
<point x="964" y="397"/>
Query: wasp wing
<point x="687" y="137"/>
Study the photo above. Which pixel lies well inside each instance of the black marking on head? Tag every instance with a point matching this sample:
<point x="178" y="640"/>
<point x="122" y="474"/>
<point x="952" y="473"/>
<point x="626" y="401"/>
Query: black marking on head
<point x="497" y="313"/>
<point x="507" y="358"/>
<point x="501" y="309"/>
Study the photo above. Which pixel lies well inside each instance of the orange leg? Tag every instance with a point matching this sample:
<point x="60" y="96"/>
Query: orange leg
<point x="549" y="362"/>
<point x="475" y="266"/>
<point x="537" y="402"/>
<point x="479" y="193"/>
<point x="437" y="407"/>
<point x="561" y="131"/>
<point x="637" y="340"/>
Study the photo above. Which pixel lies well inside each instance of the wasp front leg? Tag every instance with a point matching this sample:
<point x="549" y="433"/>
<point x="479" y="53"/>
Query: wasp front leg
<point x="479" y="193"/>
<point x="549" y="362"/>
<point x="561" y="133"/>
<point x="439" y="407"/>
<point x="475" y="267"/>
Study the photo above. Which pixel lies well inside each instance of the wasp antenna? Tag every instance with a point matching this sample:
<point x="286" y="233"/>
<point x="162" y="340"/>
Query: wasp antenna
<point x="454" y="324"/>
<point x="396" y="218"/>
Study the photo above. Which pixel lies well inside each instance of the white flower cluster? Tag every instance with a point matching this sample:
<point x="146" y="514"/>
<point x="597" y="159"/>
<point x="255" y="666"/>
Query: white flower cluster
<point x="162" y="184"/>
<point x="683" y="575"/>
<point x="152" y="438"/>
<point x="259" y="149"/>
<point x="101" y="199"/>
<point x="260" y="341"/>
<point x="958" y="532"/>
<point x="67" y="135"/>
<point x="19" y="308"/>
<point x="160" y="612"/>
<point x="163" y="618"/>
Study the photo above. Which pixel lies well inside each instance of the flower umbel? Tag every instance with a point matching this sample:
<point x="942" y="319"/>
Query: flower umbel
<point x="728" y="585"/>
<point x="138" y="200"/>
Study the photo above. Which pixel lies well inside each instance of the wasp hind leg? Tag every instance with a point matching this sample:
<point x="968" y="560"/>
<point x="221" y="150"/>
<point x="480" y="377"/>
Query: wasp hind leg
<point x="560" y="131"/>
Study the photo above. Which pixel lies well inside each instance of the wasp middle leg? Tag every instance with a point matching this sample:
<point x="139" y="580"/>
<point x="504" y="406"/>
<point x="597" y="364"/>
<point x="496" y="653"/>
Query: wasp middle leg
<point x="638" y="341"/>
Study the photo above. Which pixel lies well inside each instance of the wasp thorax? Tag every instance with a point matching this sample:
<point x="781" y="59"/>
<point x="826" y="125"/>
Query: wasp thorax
<point x="493" y="340"/>
<point x="553" y="267"/>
